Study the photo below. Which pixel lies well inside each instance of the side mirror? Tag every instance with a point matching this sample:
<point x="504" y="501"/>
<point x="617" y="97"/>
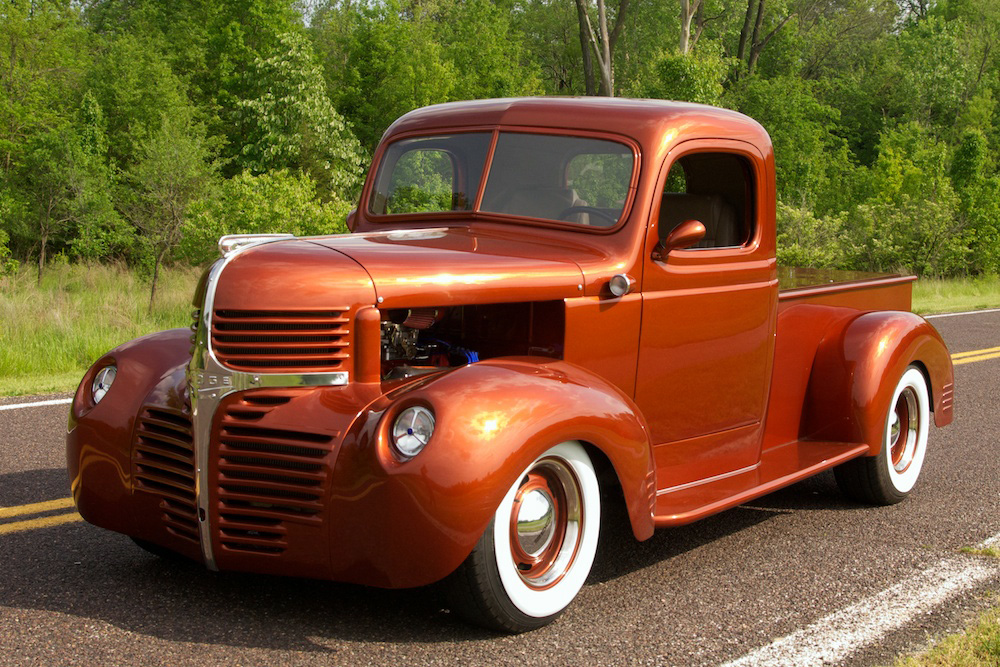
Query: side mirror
<point x="351" y="219"/>
<point x="682" y="236"/>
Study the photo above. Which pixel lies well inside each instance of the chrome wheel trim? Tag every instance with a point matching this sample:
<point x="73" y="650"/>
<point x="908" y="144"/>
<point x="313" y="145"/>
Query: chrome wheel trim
<point x="545" y="523"/>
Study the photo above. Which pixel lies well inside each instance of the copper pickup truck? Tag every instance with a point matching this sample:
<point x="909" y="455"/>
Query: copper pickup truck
<point x="545" y="305"/>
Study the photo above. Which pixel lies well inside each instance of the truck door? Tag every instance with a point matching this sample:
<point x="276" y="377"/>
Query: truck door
<point x="707" y="335"/>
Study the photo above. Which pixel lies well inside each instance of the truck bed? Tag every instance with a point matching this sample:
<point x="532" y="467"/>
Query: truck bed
<point x="860" y="290"/>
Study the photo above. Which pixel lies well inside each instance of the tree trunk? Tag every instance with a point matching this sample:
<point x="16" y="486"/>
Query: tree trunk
<point x="156" y="276"/>
<point x="604" y="47"/>
<point x="688" y="9"/>
<point x="588" y="62"/>
<point x="745" y="32"/>
<point x="607" y="73"/>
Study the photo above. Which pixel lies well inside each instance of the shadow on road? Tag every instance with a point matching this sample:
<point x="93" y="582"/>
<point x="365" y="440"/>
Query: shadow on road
<point x="81" y="570"/>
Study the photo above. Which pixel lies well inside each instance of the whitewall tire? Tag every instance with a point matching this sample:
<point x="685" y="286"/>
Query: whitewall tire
<point x="538" y="550"/>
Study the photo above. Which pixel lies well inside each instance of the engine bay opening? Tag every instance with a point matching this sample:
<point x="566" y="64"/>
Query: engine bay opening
<point x="424" y="340"/>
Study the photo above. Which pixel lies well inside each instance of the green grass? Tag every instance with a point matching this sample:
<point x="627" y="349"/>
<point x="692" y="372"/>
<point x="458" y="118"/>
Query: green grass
<point x="953" y="295"/>
<point x="51" y="334"/>
<point x="979" y="645"/>
<point x="988" y="551"/>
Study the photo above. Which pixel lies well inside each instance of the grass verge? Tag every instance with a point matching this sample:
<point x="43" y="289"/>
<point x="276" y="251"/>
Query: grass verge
<point x="955" y="295"/>
<point x="979" y="645"/>
<point x="52" y="333"/>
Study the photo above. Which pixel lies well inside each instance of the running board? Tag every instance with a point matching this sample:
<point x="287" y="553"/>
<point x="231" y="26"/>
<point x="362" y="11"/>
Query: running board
<point x="778" y="467"/>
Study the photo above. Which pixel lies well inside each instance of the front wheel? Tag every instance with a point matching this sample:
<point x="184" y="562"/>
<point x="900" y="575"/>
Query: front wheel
<point x="536" y="553"/>
<point x="888" y="478"/>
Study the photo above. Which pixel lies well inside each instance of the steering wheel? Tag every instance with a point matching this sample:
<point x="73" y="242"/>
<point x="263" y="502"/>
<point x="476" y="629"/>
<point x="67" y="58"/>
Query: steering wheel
<point x="593" y="210"/>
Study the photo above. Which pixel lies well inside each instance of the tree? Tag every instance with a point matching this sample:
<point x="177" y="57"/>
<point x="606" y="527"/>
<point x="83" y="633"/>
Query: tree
<point x="602" y="41"/>
<point x="60" y="184"/>
<point x="272" y="202"/>
<point x="381" y="62"/>
<point x="173" y="171"/>
<point x="688" y="10"/>
<point x="290" y="123"/>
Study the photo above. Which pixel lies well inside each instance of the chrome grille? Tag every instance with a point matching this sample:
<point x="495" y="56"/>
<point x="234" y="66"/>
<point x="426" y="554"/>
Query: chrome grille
<point x="282" y="341"/>
<point x="163" y="464"/>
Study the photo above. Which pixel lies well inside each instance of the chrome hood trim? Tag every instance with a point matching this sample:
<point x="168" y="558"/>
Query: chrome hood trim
<point x="209" y="382"/>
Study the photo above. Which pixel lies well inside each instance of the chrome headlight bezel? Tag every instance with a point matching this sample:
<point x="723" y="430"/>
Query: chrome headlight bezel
<point x="101" y="384"/>
<point x="411" y="431"/>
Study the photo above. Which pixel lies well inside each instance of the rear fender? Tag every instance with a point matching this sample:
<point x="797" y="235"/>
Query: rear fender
<point x="856" y="370"/>
<point x="421" y="518"/>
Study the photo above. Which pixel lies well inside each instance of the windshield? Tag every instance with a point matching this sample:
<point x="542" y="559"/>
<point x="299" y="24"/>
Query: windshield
<point x="549" y="177"/>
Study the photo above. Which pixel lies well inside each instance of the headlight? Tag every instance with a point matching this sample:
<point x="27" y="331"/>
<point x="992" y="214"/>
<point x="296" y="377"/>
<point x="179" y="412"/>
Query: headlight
<point x="412" y="431"/>
<point x="102" y="382"/>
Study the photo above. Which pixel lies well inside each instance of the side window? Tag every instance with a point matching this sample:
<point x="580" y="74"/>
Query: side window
<point x="421" y="182"/>
<point x="717" y="190"/>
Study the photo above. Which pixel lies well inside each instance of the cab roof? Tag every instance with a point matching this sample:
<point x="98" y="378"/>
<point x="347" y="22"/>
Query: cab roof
<point x="648" y="122"/>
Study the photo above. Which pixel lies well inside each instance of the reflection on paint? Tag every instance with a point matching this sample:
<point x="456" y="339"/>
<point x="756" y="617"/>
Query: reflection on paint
<point x="446" y="279"/>
<point x="488" y="424"/>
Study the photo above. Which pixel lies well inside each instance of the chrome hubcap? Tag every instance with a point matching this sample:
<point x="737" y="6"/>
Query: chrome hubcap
<point x="536" y="521"/>
<point x="903" y="425"/>
<point x="546" y="522"/>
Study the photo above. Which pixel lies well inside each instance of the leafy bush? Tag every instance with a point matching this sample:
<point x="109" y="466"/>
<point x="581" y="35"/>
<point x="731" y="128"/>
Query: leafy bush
<point x="805" y="240"/>
<point x="7" y="265"/>
<point x="272" y="202"/>
<point x="696" y="77"/>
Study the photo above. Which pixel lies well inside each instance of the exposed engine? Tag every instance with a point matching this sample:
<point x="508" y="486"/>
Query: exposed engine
<point x="410" y="348"/>
<point x="423" y="340"/>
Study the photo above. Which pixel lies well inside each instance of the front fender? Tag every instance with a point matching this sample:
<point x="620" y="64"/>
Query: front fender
<point x="414" y="523"/>
<point x="99" y="437"/>
<point x="857" y="368"/>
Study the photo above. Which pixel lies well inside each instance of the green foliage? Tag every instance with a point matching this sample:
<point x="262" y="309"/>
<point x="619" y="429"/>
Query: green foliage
<point x="387" y="64"/>
<point x="135" y="88"/>
<point x="695" y="77"/>
<point x="7" y="265"/>
<point x="272" y="202"/>
<point x="139" y="130"/>
<point x="805" y="240"/>
<point x="289" y="122"/>
<point x="814" y="169"/>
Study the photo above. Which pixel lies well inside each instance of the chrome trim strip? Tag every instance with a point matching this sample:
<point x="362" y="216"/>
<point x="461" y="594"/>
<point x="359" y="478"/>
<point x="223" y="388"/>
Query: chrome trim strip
<point x="707" y="480"/>
<point x="209" y="382"/>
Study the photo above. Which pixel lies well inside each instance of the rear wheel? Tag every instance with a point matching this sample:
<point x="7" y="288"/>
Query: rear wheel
<point x="535" y="555"/>
<point x="888" y="478"/>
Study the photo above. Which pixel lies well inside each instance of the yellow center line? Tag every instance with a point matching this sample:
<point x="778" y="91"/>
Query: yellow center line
<point x="35" y="508"/>
<point x="44" y="522"/>
<point x="969" y="360"/>
<point x="975" y="353"/>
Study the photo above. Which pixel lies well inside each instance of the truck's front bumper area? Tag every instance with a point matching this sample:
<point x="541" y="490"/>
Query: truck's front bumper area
<point x="292" y="481"/>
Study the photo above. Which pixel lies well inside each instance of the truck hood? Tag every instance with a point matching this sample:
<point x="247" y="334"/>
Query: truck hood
<point x="452" y="266"/>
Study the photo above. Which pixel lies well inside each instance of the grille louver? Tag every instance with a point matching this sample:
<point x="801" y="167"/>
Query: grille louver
<point x="282" y="341"/>
<point x="267" y="477"/>
<point x="163" y="464"/>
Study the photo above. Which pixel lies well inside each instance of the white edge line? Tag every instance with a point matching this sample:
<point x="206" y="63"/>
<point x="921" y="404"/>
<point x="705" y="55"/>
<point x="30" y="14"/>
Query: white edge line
<point x="964" y="312"/>
<point x="37" y="404"/>
<point x="837" y="636"/>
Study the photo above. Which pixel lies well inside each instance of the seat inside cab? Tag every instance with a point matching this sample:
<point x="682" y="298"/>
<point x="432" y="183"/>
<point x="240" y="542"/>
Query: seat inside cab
<point x="716" y="190"/>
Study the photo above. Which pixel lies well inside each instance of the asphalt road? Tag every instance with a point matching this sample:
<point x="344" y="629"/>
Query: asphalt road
<point x="73" y="594"/>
